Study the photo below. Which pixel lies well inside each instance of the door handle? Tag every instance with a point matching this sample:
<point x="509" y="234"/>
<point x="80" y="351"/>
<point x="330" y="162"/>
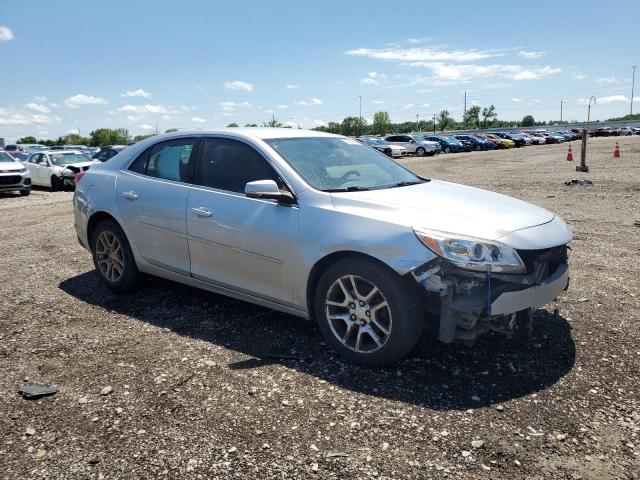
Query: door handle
<point x="130" y="195"/>
<point x="202" y="212"/>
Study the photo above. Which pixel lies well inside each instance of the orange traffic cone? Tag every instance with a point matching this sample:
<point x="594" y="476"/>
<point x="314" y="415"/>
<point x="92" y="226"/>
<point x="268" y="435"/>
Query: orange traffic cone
<point x="616" y="152"/>
<point x="569" y="155"/>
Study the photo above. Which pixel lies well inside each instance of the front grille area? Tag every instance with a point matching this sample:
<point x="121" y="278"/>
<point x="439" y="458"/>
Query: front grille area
<point x="543" y="262"/>
<point x="10" y="179"/>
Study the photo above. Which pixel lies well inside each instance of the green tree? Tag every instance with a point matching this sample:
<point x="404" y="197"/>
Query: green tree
<point x="139" y="138"/>
<point x="170" y="130"/>
<point x="528" y="121"/>
<point x="489" y="116"/>
<point x="232" y="125"/>
<point x="273" y="123"/>
<point x="75" y="139"/>
<point x="102" y="137"/>
<point x="353" y="126"/>
<point x="472" y="117"/>
<point x="443" y="119"/>
<point x="251" y="125"/>
<point x="28" y="139"/>
<point x="381" y="123"/>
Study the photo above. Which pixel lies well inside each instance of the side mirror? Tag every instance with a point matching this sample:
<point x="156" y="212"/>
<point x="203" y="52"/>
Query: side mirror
<point x="267" y="189"/>
<point x="412" y="141"/>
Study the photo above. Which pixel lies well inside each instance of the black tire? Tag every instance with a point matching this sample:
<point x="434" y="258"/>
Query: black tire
<point x="402" y="296"/>
<point x="129" y="277"/>
<point x="26" y="192"/>
<point x="447" y="149"/>
<point x="421" y="152"/>
<point x="478" y="148"/>
<point x="56" y="184"/>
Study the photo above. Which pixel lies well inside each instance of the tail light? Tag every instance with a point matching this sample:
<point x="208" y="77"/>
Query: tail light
<point x="78" y="177"/>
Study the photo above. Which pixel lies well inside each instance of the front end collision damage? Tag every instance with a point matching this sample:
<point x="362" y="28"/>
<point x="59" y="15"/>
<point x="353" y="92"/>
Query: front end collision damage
<point x="468" y="304"/>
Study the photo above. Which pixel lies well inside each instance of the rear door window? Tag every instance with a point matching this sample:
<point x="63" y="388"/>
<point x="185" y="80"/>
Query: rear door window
<point x="168" y="160"/>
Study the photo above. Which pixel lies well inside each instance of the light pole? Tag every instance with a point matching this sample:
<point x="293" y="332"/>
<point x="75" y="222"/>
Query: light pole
<point x="585" y="134"/>
<point x="633" y="82"/>
<point x="417" y="122"/>
<point x="561" y="102"/>
<point x="434" y="123"/>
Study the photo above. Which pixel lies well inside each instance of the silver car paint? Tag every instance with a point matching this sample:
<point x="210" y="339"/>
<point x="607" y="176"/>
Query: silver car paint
<point x="266" y="251"/>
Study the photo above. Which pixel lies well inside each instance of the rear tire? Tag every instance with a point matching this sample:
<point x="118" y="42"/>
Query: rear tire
<point x="447" y="150"/>
<point x="373" y="332"/>
<point x="26" y="192"/>
<point x="113" y="258"/>
<point x="421" y="152"/>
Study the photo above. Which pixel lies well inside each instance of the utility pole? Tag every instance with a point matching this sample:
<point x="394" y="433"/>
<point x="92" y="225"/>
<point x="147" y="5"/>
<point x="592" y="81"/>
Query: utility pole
<point x="434" y="123"/>
<point x="633" y="84"/>
<point x="465" y="104"/>
<point x="585" y="134"/>
<point x="417" y="122"/>
<point x="561" y="102"/>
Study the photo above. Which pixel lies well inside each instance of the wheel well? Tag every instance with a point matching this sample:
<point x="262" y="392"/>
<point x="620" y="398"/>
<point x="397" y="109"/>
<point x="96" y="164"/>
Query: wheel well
<point x="321" y="266"/>
<point x="95" y="219"/>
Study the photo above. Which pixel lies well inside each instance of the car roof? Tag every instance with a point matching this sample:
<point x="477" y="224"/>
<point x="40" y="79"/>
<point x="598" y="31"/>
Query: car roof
<point x="261" y="133"/>
<point x="58" y="152"/>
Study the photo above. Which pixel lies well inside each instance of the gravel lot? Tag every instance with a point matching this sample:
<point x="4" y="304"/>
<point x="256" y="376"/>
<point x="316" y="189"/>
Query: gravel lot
<point x="208" y="387"/>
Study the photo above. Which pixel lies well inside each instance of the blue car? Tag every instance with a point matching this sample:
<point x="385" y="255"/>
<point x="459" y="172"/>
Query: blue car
<point x="448" y="144"/>
<point x="476" y="142"/>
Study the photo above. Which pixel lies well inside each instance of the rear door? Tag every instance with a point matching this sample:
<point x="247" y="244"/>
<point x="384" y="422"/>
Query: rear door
<point x="152" y="197"/>
<point x="236" y="241"/>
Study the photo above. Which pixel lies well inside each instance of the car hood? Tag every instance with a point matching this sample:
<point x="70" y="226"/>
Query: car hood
<point x="10" y="166"/>
<point x="447" y="207"/>
<point x="79" y="164"/>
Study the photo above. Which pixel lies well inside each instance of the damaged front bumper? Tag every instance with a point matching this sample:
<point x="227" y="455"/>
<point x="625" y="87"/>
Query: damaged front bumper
<point x="469" y="304"/>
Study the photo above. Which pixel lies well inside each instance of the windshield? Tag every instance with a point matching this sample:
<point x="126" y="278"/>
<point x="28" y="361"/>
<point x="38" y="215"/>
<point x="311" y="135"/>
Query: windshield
<point x="5" y="157"/>
<point x="67" y="158"/>
<point x="341" y="164"/>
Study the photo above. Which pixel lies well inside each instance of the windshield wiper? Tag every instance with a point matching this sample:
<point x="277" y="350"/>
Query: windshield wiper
<point x="405" y="183"/>
<point x="348" y="189"/>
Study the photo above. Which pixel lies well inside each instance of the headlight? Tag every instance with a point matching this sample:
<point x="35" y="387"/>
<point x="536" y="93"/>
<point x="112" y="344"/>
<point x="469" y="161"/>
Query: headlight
<point x="23" y="170"/>
<point x="68" y="173"/>
<point x="472" y="253"/>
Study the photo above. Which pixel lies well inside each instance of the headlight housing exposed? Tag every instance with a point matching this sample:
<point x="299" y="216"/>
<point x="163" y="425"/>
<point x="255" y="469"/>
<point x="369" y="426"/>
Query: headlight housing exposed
<point x="68" y="173"/>
<point x="472" y="253"/>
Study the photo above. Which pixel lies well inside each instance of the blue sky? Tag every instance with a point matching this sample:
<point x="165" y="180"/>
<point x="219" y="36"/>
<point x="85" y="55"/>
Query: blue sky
<point x="78" y="65"/>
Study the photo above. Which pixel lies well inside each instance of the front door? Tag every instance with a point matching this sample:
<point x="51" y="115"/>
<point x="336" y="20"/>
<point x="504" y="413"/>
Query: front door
<point x="236" y="241"/>
<point x="152" y="197"/>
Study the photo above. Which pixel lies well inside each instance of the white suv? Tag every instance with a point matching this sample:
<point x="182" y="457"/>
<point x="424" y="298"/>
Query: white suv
<point x="414" y="145"/>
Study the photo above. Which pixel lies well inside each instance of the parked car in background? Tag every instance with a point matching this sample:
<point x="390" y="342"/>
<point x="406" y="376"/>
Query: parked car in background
<point x="533" y="139"/>
<point x="56" y="168"/>
<point x="20" y="155"/>
<point x="14" y="176"/>
<point x="320" y="226"/>
<point x="517" y="140"/>
<point x="624" y="131"/>
<point x="24" y="147"/>
<point x="500" y="142"/>
<point x="106" y="153"/>
<point x="389" y="149"/>
<point x="447" y="144"/>
<point x="414" y="144"/>
<point x="577" y="132"/>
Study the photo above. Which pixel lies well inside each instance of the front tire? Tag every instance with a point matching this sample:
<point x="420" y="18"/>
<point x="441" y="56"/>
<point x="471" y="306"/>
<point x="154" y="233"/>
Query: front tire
<point x="367" y="313"/>
<point x="26" y="192"/>
<point x="447" y="150"/>
<point x="56" y="184"/>
<point x="421" y="152"/>
<point x="112" y="257"/>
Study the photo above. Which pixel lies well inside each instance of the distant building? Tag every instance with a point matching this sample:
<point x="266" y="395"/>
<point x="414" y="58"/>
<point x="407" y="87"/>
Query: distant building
<point x="1" y="142"/>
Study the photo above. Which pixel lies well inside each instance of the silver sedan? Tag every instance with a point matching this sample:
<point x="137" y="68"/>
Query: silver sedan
<point x="322" y="227"/>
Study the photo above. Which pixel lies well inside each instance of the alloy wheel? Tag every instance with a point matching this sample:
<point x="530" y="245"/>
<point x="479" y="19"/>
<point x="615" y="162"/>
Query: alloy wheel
<point x="358" y="314"/>
<point x="110" y="256"/>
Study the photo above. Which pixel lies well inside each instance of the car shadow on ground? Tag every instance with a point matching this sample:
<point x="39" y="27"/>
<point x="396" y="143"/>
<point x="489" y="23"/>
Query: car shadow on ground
<point x="435" y="376"/>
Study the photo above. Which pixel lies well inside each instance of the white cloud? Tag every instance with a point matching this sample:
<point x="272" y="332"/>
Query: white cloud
<point x="305" y="103"/>
<point x="136" y="93"/>
<point x="423" y="54"/>
<point x="531" y="55"/>
<point x="318" y="123"/>
<point x="609" y="80"/>
<point x="198" y="120"/>
<point x="145" y="126"/>
<point x="231" y="106"/>
<point x="425" y="105"/>
<point x="20" y="117"/>
<point x="145" y="109"/>
<point x="416" y="41"/>
<point x="73" y="131"/>
<point x="77" y="100"/>
<point x="6" y="34"/>
<point x="447" y="73"/>
<point x="239" y="85"/>
<point x="516" y="99"/>
<point x="377" y="102"/>
<point x="373" y="78"/>
<point x="292" y="86"/>
<point x="37" y="107"/>
<point x="579" y="76"/>
<point x="53" y="105"/>
<point x="612" y="99"/>
<point x="40" y="99"/>
<point x="282" y="107"/>
<point x="166" y="117"/>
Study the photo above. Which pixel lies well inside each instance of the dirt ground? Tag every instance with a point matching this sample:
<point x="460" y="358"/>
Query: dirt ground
<point x="208" y="387"/>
